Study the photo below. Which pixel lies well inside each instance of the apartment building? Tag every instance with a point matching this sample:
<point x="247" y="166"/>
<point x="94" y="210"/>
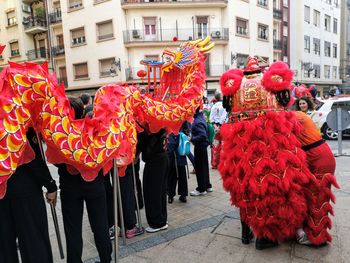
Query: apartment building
<point x="281" y="51"/>
<point x="251" y="30"/>
<point x="93" y="42"/>
<point x="344" y="69"/>
<point x="23" y="29"/>
<point x="315" y="42"/>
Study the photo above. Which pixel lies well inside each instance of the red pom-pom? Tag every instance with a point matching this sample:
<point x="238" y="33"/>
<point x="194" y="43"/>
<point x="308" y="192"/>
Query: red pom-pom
<point x="230" y="81"/>
<point x="141" y="73"/>
<point x="302" y="91"/>
<point x="278" y="77"/>
<point x="175" y="39"/>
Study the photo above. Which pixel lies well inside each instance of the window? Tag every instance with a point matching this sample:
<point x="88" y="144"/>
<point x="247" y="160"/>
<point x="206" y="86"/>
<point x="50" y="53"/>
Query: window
<point x="335" y="50"/>
<point x="329" y="2"/>
<point x="307" y="44"/>
<point x="78" y="36"/>
<point x="75" y="4"/>
<point x="80" y="71"/>
<point x="105" y="30"/>
<point x="327" y="49"/>
<point x="306" y="14"/>
<point x="242" y="26"/>
<point x="263" y="31"/>
<point x="336" y="3"/>
<point x="105" y="67"/>
<point x="14" y="47"/>
<point x="241" y="60"/>
<point x="150" y="28"/>
<point x="334" y="72"/>
<point x="11" y="18"/>
<point x="327" y="23"/>
<point x="327" y="71"/>
<point x="317" y="18"/>
<point x="317" y="71"/>
<point x="263" y="3"/>
<point x="335" y="26"/>
<point x="202" y="26"/>
<point x="317" y="46"/>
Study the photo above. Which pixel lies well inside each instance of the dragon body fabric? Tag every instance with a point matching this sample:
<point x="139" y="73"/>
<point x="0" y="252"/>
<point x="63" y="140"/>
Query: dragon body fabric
<point x="30" y="96"/>
<point x="262" y="164"/>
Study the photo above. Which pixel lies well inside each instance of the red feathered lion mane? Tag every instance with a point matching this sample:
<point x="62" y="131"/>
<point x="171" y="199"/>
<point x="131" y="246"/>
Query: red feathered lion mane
<point x="230" y="81"/>
<point x="278" y="77"/>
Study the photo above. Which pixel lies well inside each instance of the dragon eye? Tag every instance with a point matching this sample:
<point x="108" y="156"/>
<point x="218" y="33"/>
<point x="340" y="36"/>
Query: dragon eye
<point x="168" y="58"/>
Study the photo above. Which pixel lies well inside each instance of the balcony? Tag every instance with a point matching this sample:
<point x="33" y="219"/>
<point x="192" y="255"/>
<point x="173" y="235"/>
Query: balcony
<point x="213" y="72"/>
<point x="34" y="25"/>
<point x="139" y="37"/>
<point x="37" y="54"/>
<point x="55" y="17"/>
<point x="277" y="44"/>
<point x="58" y="51"/>
<point x="142" y="4"/>
<point x="277" y="14"/>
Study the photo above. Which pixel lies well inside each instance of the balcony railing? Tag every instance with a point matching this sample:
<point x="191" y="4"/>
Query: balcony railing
<point x="277" y="44"/>
<point x="40" y="53"/>
<point x="211" y="71"/>
<point x="168" y="35"/>
<point x="31" y="22"/>
<point x="277" y="13"/>
<point x="58" y="50"/>
<point x="55" y="17"/>
<point x="168" y="1"/>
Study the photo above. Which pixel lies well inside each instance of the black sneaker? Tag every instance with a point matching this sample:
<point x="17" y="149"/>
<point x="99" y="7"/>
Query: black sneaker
<point x="264" y="243"/>
<point x="112" y="233"/>
<point x="183" y="199"/>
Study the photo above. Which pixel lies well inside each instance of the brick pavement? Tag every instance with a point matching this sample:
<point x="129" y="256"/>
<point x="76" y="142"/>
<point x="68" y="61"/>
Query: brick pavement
<point x="207" y="229"/>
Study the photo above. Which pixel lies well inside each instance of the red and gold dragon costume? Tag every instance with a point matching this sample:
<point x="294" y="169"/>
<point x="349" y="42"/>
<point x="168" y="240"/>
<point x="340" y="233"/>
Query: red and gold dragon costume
<point x="30" y="96"/>
<point x="262" y="164"/>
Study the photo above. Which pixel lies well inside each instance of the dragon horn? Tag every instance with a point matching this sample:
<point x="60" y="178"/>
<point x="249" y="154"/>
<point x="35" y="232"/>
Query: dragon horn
<point x="204" y="42"/>
<point x="207" y="48"/>
<point x="195" y="42"/>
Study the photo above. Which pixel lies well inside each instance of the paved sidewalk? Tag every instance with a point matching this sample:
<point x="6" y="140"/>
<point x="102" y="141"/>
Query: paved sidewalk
<point x="207" y="229"/>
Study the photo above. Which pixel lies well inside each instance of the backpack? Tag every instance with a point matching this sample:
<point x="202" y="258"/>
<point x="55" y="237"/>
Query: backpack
<point x="184" y="145"/>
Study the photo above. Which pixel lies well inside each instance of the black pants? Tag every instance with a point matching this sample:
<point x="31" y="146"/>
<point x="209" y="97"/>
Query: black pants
<point x="155" y="190"/>
<point x="72" y="210"/>
<point x="25" y="219"/>
<point x="202" y="168"/>
<point x="181" y="178"/>
<point x="128" y="198"/>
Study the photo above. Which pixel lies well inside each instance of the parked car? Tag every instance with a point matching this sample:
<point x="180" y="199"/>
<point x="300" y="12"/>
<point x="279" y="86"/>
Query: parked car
<point x="324" y="108"/>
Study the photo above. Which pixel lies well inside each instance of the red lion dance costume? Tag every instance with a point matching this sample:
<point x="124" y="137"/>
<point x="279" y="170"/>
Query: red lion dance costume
<point x="262" y="164"/>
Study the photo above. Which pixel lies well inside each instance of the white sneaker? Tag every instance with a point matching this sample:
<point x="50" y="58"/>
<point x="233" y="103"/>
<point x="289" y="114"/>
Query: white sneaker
<point x="302" y="238"/>
<point x="153" y="230"/>
<point x="197" y="193"/>
<point x="209" y="190"/>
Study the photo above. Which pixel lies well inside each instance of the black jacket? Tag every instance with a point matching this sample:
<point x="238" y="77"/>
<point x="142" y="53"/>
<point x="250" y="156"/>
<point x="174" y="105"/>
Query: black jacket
<point x="29" y="178"/>
<point x="199" y="131"/>
<point x="173" y="143"/>
<point x="152" y="145"/>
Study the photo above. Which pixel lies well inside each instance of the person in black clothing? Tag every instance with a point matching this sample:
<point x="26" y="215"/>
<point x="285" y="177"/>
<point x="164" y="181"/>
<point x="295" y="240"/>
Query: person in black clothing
<point x="23" y="212"/>
<point x="201" y="142"/>
<point x="154" y="179"/>
<point x="74" y="191"/>
<point x="177" y="171"/>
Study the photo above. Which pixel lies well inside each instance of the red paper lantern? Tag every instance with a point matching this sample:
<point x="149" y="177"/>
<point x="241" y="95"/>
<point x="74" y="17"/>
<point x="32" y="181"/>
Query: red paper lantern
<point x="175" y="39"/>
<point x="141" y="73"/>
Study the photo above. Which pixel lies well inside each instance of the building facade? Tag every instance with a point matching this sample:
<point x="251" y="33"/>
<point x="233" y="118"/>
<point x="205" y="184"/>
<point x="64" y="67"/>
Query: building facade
<point x="93" y="42"/>
<point x="315" y="42"/>
<point x="344" y="70"/>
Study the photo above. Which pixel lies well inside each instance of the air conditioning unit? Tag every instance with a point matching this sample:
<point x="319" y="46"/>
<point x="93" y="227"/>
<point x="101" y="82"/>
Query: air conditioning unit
<point x="26" y="8"/>
<point x="135" y="34"/>
<point x="216" y="34"/>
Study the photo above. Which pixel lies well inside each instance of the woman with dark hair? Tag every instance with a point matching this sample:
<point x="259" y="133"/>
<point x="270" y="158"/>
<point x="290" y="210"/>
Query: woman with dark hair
<point x="305" y="105"/>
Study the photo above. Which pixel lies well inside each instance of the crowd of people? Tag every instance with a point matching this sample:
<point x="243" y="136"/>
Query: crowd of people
<point x="23" y="212"/>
